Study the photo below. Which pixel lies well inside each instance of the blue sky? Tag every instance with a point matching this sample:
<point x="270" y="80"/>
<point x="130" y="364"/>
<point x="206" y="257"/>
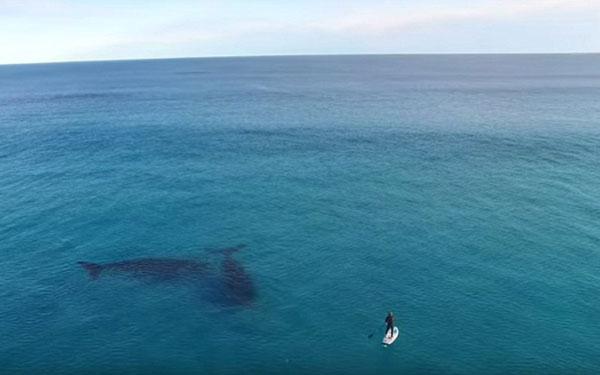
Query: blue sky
<point x="67" y="30"/>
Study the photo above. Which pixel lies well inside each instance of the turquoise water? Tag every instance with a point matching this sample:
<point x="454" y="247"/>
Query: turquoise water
<point x="460" y="192"/>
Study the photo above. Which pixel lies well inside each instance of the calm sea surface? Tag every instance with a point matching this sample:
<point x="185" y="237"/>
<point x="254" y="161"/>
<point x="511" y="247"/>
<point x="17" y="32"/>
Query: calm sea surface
<point x="460" y="192"/>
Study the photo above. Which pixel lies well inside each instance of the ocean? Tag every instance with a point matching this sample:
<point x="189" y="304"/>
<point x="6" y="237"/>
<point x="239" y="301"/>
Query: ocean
<point x="461" y="192"/>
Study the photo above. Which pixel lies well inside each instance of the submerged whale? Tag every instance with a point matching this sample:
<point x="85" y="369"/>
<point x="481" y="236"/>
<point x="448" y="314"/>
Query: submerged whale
<point x="233" y="284"/>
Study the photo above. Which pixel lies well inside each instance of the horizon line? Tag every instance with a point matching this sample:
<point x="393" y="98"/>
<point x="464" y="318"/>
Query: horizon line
<point x="299" y="55"/>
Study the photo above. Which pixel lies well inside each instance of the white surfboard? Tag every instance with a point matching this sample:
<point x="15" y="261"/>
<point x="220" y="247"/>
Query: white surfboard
<point x="387" y="340"/>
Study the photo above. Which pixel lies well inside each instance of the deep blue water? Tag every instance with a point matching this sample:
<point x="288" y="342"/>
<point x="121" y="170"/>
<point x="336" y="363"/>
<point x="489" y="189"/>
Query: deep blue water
<point x="460" y="192"/>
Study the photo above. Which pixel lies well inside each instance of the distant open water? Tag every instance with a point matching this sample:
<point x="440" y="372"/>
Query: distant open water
<point x="460" y="192"/>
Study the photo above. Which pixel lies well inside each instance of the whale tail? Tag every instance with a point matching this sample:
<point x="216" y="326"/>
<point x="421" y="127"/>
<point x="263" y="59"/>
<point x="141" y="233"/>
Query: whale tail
<point x="92" y="268"/>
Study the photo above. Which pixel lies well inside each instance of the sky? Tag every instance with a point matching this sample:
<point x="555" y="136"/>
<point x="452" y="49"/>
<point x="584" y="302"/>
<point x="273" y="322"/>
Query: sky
<point x="74" y="30"/>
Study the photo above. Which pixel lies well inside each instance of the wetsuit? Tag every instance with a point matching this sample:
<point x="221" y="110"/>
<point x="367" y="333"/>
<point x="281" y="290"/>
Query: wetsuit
<point x="389" y="320"/>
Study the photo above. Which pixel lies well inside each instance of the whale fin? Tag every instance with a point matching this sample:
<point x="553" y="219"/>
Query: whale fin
<point x="230" y="250"/>
<point x="93" y="268"/>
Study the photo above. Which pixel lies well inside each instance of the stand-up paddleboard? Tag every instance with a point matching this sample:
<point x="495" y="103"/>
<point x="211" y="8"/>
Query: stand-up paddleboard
<point x="387" y="340"/>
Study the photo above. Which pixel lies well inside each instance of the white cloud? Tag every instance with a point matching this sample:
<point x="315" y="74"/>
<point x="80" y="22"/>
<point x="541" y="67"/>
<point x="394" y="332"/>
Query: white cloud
<point x="44" y="30"/>
<point x="398" y="18"/>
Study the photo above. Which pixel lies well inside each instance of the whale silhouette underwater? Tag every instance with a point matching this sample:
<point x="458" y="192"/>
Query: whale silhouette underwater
<point x="233" y="284"/>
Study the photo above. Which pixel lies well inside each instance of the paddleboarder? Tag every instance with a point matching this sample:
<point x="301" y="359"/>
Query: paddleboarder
<point x="389" y="320"/>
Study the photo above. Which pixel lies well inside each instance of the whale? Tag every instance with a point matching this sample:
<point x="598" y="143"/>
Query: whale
<point x="231" y="286"/>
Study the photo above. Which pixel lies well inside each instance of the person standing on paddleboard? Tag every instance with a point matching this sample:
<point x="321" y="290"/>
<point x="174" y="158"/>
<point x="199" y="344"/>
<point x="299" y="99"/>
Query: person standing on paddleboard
<point x="389" y="320"/>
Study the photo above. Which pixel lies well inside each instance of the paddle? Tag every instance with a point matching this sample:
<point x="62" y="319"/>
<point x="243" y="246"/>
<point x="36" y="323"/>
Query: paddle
<point x="371" y="335"/>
